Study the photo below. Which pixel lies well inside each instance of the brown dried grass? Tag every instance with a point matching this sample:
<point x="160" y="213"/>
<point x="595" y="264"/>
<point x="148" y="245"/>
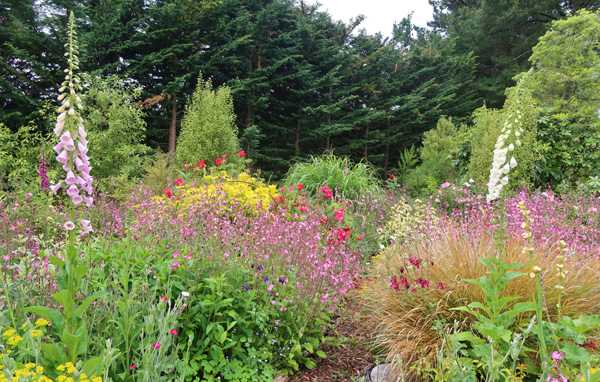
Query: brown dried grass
<point x="402" y="321"/>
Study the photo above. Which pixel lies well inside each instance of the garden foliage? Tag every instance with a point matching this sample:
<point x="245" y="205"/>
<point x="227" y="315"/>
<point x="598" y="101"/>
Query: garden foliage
<point x="208" y="127"/>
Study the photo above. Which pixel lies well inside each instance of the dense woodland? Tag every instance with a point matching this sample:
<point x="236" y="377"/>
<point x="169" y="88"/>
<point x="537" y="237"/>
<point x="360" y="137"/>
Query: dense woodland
<point x="301" y="82"/>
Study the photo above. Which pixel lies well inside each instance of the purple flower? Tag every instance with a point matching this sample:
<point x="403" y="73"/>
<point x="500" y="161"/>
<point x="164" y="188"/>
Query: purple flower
<point x="246" y="287"/>
<point x="266" y="279"/>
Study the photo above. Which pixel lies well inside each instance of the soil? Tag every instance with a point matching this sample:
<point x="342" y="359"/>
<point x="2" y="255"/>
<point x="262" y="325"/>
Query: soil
<point x="348" y="353"/>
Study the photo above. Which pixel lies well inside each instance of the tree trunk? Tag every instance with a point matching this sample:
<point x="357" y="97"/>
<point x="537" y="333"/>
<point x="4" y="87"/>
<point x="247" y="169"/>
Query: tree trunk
<point x="173" y="130"/>
<point x="386" y="161"/>
<point x="297" y="151"/>
<point x="366" y="141"/>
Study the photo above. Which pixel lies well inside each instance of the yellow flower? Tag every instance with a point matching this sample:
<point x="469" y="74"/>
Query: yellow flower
<point x="9" y="333"/>
<point x="36" y="333"/>
<point x="42" y="322"/>
<point x="61" y="378"/>
<point x="60" y="368"/>
<point x="29" y="365"/>
<point x="39" y="369"/>
<point x="13" y="341"/>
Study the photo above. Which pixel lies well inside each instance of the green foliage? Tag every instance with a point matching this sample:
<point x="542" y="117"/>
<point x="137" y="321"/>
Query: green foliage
<point x="115" y="126"/>
<point x="208" y="128"/>
<point x="157" y="172"/>
<point x="567" y="64"/>
<point x="20" y="155"/>
<point x="568" y="149"/>
<point x="340" y="174"/>
<point x="435" y="155"/>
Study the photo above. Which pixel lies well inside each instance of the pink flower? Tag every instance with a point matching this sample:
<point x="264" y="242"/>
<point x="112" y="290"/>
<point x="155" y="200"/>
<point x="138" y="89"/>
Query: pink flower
<point x="156" y="345"/>
<point x="163" y="298"/>
<point x="174" y="332"/>
<point x="219" y="161"/>
<point x="441" y="286"/>
<point x="69" y="226"/>
<point x="276" y="322"/>
<point x="178" y="182"/>
<point x="241" y="154"/>
<point x="55" y="188"/>
<point x="340" y="215"/>
<point x="557" y="356"/>
<point x="132" y="366"/>
<point x="303" y="207"/>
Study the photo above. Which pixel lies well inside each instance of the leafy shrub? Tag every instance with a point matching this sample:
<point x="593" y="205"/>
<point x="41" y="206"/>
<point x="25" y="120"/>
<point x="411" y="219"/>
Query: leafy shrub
<point x="338" y="173"/>
<point x="115" y="125"/>
<point x="566" y="64"/>
<point x="407" y="221"/>
<point x="435" y="155"/>
<point x="568" y="148"/>
<point x="413" y="288"/>
<point x="208" y="127"/>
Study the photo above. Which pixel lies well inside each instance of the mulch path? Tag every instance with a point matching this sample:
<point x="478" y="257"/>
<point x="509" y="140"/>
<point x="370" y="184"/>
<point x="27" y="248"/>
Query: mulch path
<point x="347" y="356"/>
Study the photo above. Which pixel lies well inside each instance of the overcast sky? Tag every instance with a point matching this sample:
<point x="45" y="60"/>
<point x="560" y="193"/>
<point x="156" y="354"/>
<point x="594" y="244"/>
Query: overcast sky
<point x="380" y="14"/>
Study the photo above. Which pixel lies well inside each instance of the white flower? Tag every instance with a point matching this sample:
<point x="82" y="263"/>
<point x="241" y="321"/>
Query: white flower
<point x="471" y="180"/>
<point x="511" y="147"/>
<point x="518" y="142"/>
<point x="504" y="181"/>
<point x="513" y="162"/>
<point x="185" y="294"/>
<point x="69" y="226"/>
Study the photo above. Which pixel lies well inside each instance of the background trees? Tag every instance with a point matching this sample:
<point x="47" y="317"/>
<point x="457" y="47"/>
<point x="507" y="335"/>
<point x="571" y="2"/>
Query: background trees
<point x="300" y="82"/>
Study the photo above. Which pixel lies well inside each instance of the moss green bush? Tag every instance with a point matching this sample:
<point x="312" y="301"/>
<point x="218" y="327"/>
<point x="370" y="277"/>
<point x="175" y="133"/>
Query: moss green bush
<point x="208" y="128"/>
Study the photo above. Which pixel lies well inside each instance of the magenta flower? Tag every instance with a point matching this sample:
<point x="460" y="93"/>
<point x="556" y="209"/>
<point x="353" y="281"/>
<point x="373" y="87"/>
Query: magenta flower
<point x="156" y="345"/>
<point x="174" y="332"/>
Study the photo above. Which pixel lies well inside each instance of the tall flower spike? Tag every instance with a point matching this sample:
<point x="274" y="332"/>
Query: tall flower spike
<point x="72" y="146"/>
<point x="501" y="165"/>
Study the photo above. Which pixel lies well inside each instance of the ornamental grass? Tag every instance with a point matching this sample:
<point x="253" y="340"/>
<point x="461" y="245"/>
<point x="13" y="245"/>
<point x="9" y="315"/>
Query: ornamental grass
<point x="413" y="287"/>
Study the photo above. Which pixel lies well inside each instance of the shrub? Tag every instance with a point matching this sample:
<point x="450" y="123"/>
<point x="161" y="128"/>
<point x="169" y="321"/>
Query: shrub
<point x="435" y="156"/>
<point x="342" y="176"/>
<point x="115" y="125"/>
<point x="412" y="288"/>
<point x="208" y="127"/>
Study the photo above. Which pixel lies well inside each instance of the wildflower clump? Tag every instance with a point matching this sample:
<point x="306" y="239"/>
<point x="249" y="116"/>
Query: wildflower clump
<point x="406" y="221"/>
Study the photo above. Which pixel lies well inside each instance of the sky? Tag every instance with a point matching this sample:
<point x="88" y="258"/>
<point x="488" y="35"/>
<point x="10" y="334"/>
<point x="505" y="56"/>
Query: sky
<point x="380" y="14"/>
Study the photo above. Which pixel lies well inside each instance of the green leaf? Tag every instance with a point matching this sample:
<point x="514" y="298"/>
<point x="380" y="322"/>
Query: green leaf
<point x="321" y="354"/>
<point x="54" y="352"/>
<point x="309" y="348"/>
<point x="65" y="299"/>
<point x="55" y="260"/>
<point x="84" y="305"/>
<point x="79" y="272"/>
<point x="309" y="363"/>
<point x="92" y="366"/>
<point x="54" y="316"/>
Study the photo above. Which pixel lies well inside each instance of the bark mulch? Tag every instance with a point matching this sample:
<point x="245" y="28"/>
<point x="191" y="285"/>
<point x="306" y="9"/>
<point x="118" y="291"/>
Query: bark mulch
<point x="348" y="353"/>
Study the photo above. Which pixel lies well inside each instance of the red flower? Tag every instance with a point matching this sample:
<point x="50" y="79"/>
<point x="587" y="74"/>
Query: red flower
<point x="394" y="283"/>
<point x="391" y="176"/>
<point x="201" y="164"/>
<point x="132" y="366"/>
<point x="424" y="283"/>
<point x="327" y="193"/>
<point x="178" y="182"/>
<point x="441" y="286"/>
<point x="414" y="261"/>
<point x="303" y="208"/>
<point x="404" y="282"/>
<point x="185" y="165"/>
<point x="224" y="155"/>
<point x="168" y="193"/>
<point x="241" y="154"/>
<point x="281" y="199"/>
<point x="300" y="187"/>
<point x="219" y="161"/>
<point x="163" y="298"/>
<point x="174" y="332"/>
